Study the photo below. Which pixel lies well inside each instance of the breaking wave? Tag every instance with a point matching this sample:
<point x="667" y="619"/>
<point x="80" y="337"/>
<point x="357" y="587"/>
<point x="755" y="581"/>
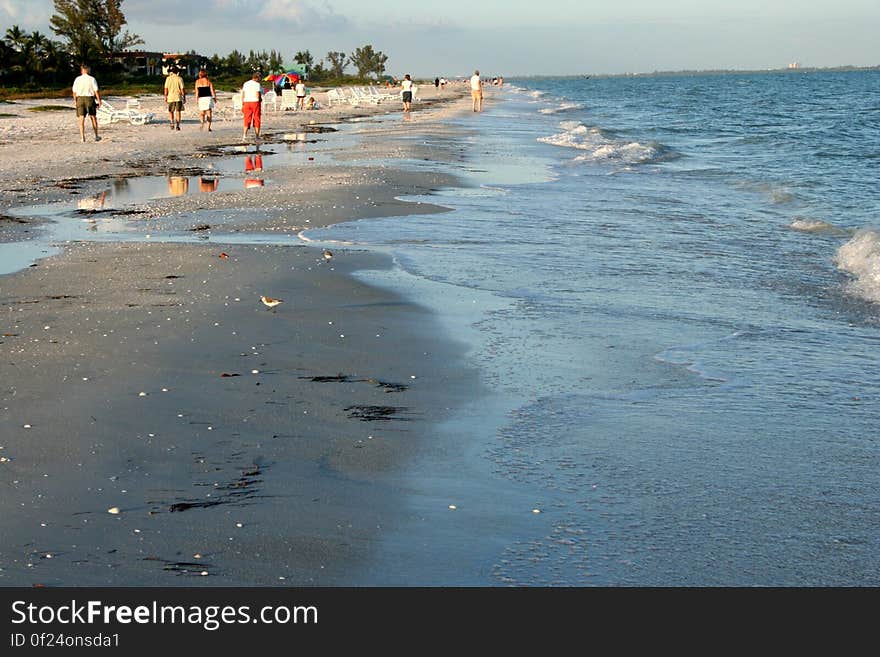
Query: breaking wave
<point x="562" y="107"/>
<point x="807" y="225"/>
<point x="599" y="146"/>
<point x="860" y="258"/>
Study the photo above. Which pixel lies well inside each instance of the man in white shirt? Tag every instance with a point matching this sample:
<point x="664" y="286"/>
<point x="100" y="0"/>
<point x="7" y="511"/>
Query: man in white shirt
<point x="251" y="105"/>
<point x="87" y="99"/>
<point x="477" y="91"/>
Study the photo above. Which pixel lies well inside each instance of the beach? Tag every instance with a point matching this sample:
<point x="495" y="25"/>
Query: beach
<point x="160" y="425"/>
<point x="610" y="332"/>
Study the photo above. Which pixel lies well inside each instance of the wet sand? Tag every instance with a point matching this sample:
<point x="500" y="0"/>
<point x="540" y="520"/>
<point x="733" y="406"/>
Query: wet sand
<point x="240" y="445"/>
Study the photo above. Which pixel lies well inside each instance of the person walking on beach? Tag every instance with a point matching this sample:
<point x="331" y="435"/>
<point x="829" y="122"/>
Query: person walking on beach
<point x="300" y="90"/>
<point x="87" y="100"/>
<point x="406" y="92"/>
<point x="251" y="105"/>
<point x="205" y="97"/>
<point x="477" y="91"/>
<point x="175" y="96"/>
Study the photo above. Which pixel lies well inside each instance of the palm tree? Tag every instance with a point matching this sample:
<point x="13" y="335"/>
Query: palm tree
<point x="37" y="49"/>
<point x="16" y="38"/>
<point x="305" y="58"/>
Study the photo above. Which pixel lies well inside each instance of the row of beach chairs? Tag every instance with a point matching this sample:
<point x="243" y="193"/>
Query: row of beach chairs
<point x="354" y="96"/>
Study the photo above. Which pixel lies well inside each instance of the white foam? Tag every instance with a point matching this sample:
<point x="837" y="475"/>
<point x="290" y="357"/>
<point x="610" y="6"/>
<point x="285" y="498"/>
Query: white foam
<point x="598" y="146"/>
<point x="808" y="225"/>
<point x="562" y="107"/>
<point x="860" y="258"/>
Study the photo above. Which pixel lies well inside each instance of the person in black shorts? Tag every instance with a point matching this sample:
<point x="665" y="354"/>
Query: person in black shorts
<point x="406" y="92"/>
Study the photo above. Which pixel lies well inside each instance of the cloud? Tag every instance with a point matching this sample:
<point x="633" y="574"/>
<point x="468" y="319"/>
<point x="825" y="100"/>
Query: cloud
<point x="25" y="13"/>
<point x="249" y="15"/>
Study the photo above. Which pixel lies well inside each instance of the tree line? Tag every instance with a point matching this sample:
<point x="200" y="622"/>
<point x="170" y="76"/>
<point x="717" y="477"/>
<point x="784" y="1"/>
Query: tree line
<point x="368" y="62"/>
<point x="92" y="30"/>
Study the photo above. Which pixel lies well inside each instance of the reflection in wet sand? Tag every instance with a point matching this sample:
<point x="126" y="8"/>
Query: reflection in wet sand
<point x="252" y="164"/>
<point x="208" y="184"/>
<point x="92" y="202"/>
<point x="178" y="185"/>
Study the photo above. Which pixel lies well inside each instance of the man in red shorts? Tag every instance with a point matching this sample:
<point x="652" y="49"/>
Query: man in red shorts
<point x="251" y="105"/>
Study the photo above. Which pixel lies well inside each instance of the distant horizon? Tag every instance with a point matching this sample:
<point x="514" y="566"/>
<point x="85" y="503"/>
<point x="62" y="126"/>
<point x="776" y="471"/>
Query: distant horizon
<point x="586" y="38"/>
<point x="802" y="69"/>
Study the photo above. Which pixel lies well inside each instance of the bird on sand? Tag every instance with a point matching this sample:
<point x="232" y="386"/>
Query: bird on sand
<point x="328" y="254"/>
<point x="269" y="302"/>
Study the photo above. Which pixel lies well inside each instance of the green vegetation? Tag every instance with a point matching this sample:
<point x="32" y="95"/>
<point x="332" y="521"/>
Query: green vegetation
<point x="50" y="108"/>
<point x="5" y="115"/>
<point x="368" y="61"/>
<point x="91" y="31"/>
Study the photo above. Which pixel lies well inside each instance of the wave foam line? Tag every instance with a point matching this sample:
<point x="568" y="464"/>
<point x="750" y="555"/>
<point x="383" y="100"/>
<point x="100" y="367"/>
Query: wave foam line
<point x="600" y="147"/>
<point x="562" y="107"/>
<point x="860" y="258"/>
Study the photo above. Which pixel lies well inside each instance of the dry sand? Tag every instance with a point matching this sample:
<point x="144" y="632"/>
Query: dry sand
<point x="150" y="379"/>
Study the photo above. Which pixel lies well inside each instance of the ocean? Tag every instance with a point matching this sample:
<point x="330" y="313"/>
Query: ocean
<point x="671" y="287"/>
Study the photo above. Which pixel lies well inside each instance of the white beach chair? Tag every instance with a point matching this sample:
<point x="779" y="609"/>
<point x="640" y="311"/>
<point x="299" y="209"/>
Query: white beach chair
<point x="133" y="104"/>
<point x="334" y="98"/>
<point x="349" y="96"/>
<point x="107" y="114"/>
<point x="288" y="99"/>
<point x="270" y="99"/>
<point x="378" y="95"/>
<point x="237" y="105"/>
<point x="363" y="94"/>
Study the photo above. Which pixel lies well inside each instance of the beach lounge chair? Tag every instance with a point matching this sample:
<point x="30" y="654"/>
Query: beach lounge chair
<point x="107" y="114"/>
<point x="375" y="93"/>
<point x="270" y="100"/>
<point x="133" y="104"/>
<point x="288" y="99"/>
<point x="364" y="96"/>
<point x="237" y="105"/>
<point x="334" y="98"/>
<point x="349" y="96"/>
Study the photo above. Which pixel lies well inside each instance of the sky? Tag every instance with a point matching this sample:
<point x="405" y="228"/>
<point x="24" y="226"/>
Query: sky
<point x="511" y="37"/>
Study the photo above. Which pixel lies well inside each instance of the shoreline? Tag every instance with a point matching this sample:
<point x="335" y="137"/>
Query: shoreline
<point x="309" y="468"/>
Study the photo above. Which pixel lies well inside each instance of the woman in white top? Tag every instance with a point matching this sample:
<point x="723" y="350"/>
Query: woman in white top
<point x="406" y="93"/>
<point x="300" y="90"/>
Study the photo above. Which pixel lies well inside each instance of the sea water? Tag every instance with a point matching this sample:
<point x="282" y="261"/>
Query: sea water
<point x="671" y="286"/>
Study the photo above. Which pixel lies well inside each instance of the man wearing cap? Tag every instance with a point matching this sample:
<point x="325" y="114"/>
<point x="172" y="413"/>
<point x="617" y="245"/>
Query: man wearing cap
<point x="175" y="96"/>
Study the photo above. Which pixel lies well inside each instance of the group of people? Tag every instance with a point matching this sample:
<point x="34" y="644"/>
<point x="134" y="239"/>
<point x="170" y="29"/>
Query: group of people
<point x="88" y="98"/>
<point x="299" y="88"/>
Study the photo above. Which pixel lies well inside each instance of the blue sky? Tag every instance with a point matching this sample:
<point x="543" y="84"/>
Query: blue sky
<point x="512" y="37"/>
